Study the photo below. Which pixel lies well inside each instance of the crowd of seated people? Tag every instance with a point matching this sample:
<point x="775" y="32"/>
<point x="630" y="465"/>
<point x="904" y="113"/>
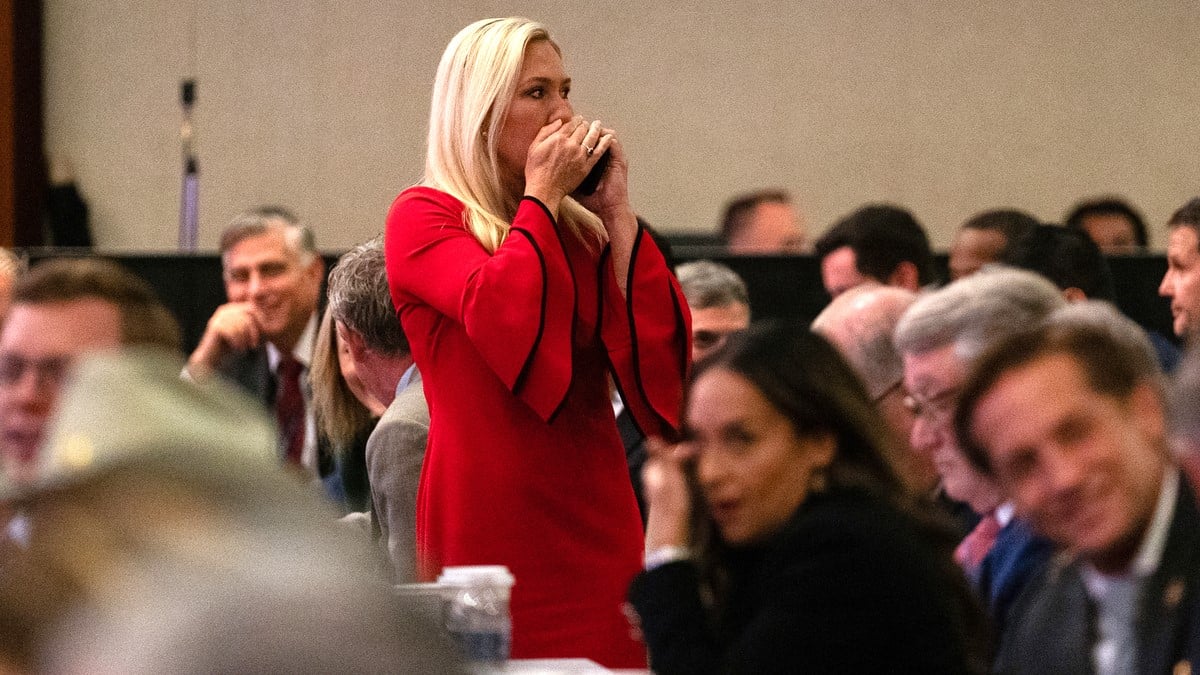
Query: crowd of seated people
<point x="995" y="474"/>
<point x="936" y="479"/>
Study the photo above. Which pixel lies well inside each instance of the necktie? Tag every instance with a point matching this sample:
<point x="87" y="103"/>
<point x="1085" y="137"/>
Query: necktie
<point x="289" y="408"/>
<point x="976" y="545"/>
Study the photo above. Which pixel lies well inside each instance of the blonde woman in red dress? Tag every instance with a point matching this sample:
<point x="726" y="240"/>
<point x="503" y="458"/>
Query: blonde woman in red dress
<point x="519" y="301"/>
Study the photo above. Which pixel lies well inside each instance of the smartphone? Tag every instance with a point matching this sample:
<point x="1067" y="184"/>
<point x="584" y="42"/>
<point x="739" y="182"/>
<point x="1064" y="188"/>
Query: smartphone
<point x="592" y="180"/>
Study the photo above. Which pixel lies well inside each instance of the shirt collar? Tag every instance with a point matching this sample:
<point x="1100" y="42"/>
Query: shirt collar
<point x="303" y="350"/>
<point x="1150" y="553"/>
<point x="1154" y="541"/>
<point x="406" y="378"/>
<point x="1004" y="513"/>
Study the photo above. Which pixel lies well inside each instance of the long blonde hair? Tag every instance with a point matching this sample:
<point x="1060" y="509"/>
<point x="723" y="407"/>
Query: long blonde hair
<point x="476" y="80"/>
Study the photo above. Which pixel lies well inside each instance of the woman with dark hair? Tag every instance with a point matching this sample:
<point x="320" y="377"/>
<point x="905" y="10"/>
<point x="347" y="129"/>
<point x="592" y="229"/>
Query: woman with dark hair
<point x="781" y="537"/>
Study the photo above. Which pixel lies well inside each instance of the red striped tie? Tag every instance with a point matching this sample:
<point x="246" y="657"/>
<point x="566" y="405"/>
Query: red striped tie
<point x="289" y="408"/>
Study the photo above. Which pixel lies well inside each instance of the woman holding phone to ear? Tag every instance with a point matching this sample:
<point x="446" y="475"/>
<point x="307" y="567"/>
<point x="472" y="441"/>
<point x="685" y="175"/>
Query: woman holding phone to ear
<point x="518" y="301"/>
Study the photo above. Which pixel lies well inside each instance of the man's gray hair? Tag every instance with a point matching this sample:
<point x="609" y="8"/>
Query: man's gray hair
<point x="976" y="311"/>
<point x="708" y="284"/>
<point x="262" y="219"/>
<point x="360" y="300"/>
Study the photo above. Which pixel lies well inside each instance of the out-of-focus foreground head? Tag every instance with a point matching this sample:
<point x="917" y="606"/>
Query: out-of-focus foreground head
<point x="1185" y="414"/>
<point x="939" y="338"/>
<point x="63" y="309"/>
<point x="1070" y="419"/>
<point x="165" y="537"/>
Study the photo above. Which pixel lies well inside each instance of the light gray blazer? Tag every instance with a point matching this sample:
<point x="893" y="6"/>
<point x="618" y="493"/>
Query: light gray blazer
<point x="395" y="452"/>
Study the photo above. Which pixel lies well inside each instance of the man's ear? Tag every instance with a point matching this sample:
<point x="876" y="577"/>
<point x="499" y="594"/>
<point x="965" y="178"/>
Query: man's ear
<point x="905" y="276"/>
<point x="1148" y="409"/>
<point x="353" y="340"/>
<point x="316" y="268"/>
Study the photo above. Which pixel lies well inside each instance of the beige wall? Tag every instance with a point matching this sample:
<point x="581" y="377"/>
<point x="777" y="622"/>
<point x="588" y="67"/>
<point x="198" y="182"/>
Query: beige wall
<point x="944" y="106"/>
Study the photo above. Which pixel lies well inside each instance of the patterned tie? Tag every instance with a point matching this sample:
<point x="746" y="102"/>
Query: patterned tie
<point x="289" y="408"/>
<point x="975" y="546"/>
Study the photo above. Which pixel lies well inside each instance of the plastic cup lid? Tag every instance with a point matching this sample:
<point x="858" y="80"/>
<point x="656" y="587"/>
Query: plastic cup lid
<point x="495" y="575"/>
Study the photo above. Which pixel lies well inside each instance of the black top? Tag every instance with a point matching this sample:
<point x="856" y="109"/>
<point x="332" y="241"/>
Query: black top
<point x="850" y="585"/>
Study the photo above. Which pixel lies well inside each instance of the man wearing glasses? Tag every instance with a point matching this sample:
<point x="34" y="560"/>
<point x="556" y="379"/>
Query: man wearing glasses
<point x="939" y="338"/>
<point x="61" y="310"/>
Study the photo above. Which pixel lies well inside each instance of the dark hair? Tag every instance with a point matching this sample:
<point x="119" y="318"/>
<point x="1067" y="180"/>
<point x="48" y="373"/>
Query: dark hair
<point x="1011" y="223"/>
<point x="1111" y="350"/>
<point x="882" y="236"/>
<point x="1109" y="206"/>
<point x="1069" y="258"/>
<point x="144" y="319"/>
<point x="808" y="381"/>
<point x="1188" y="214"/>
<point x="740" y="209"/>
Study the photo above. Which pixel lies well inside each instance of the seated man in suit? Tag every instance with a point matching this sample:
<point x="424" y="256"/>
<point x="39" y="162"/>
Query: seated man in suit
<point x="940" y="337"/>
<point x="263" y="337"/>
<point x="361" y="305"/>
<point x="61" y="310"/>
<point x="1070" y="419"/>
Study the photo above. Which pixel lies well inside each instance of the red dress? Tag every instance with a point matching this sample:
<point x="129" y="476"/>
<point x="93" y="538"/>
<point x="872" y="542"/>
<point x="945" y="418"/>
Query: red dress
<point x="524" y="466"/>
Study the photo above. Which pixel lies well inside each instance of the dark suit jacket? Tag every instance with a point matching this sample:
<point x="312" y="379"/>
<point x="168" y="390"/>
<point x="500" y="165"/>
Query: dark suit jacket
<point x="634" y="443"/>
<point x="850" y="585"/>
<point x="1050" y="628"/>
<point x="251" y="370"/>
<point x="1017" y="556"/>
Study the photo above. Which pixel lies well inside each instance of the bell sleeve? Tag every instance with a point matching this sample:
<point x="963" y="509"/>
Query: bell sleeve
<point x="516" y="304"/>
<point x="647" y="332"/>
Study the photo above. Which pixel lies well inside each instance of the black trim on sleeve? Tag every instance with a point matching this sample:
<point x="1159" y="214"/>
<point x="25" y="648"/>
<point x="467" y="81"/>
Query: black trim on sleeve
<point x="535" y="200"/>
<point x="574" y="309"/>
<point x="637" y="364"/>
<point x="537" y="341"/>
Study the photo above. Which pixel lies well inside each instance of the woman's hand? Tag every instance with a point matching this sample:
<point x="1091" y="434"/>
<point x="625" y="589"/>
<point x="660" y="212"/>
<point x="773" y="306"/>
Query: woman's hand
<point x="610" y="201"/>
<point x="664" y="485"/>
<point x="559" y="159"/>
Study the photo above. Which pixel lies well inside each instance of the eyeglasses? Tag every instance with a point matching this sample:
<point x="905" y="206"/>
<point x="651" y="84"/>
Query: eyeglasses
<point x="47" y="372"/>
<point x="936" y="408"/>
<point x="706" y="340"/>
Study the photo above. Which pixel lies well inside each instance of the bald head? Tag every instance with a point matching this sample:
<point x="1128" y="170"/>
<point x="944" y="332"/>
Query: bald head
<point x="859" y="323"/>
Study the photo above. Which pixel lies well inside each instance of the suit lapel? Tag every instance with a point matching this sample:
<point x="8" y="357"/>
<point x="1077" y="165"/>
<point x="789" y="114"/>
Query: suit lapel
<point x="1170" y="591"/>
<point x="1051" y="629"/>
